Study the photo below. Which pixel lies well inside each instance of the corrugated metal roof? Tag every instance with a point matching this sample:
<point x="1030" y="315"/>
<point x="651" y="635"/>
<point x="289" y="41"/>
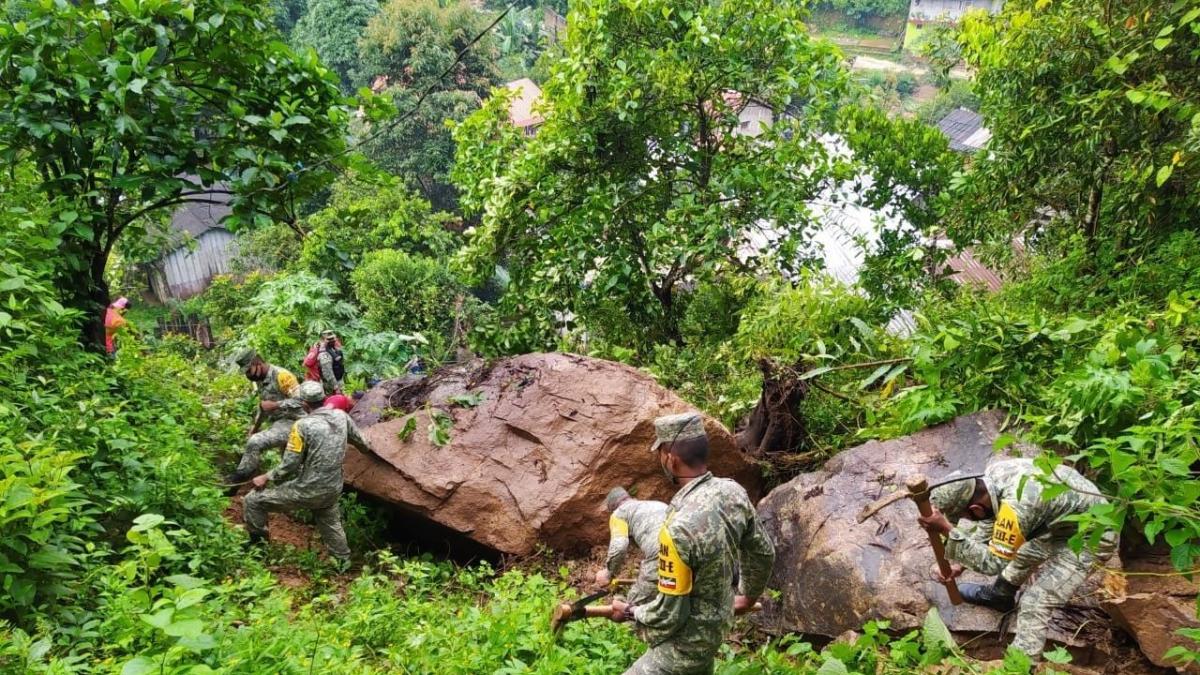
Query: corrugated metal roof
<point x="965" y="130"/>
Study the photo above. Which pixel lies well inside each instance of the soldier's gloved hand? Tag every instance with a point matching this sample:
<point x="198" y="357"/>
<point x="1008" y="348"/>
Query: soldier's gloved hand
<point x="621" y="611"/>
<point x="956" y="571"/>
<point x="603" y="577"/>
<point x="935" y="522"/>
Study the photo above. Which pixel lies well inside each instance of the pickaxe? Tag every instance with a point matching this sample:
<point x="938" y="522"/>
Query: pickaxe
<point x="917" y="489"/>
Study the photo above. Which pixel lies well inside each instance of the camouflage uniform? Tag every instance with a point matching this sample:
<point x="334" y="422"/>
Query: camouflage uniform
<point x="312" y="471"/>
<point x="329" y="378"/>
<point x="279" y="385"/>
<point x="1028" y="533"/>
<point x="637" y="521"/>
<point x="710" y="528"/>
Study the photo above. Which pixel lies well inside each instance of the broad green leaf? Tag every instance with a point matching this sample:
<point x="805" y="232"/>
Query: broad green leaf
<point x="188" y="628"/>
<point x="1163" y="174"/>
<point x="139" y="665"/>
<point x="832" y="666"/>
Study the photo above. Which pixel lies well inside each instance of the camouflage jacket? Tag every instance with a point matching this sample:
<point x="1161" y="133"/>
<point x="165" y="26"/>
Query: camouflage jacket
<point x="329" y="378"/>
<point x="710" y="528"/>
<point x="1021" y="515"/>
<point x="312" y="461"/>
<point x="635" y="521"/>
<point x="280" y="385"/>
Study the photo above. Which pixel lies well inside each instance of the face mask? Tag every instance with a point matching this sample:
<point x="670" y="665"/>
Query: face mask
<point x="667" y="473"/>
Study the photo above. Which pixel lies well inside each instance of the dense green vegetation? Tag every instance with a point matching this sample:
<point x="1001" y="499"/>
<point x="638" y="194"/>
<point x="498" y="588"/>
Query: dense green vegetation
<point x="637" y="225"/>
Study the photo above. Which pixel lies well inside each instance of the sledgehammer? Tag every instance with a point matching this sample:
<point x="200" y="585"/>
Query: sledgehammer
<point x="918" y="490"/>
<point x="567" y="612"/>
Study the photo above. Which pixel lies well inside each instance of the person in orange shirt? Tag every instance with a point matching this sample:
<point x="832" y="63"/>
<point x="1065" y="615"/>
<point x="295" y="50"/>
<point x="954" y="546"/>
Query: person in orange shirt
<point x="114" y="320"/>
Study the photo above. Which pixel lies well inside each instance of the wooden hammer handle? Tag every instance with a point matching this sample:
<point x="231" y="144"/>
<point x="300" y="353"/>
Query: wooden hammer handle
<point x="596" y="611"/>
<point x="918" y="490"/>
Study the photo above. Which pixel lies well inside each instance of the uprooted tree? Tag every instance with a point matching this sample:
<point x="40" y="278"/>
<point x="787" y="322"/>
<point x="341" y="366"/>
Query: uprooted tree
<point x="130" y="109"/>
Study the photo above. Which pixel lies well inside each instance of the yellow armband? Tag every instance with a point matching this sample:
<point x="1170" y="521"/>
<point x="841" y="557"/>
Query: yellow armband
<point x="617" y="527"/>
<point x="674" y="575"/>
<point x="1006" y="534"/>
<point x="295" y="442"/>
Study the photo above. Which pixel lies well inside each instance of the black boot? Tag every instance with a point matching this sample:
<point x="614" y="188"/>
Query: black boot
<point x="256" y="540"/>
<point x="1000" y="596"/>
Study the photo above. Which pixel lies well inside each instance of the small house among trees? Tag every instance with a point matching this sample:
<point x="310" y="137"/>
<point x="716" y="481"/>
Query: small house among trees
<point x="198" y="248"/>
<point x="526" y="95"/>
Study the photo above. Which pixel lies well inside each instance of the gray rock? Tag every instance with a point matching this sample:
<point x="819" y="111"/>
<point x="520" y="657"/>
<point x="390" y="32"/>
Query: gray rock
<point x="835" y="574"/>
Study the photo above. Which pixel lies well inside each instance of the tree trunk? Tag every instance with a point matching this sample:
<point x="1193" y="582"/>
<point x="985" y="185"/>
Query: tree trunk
<point x="86" y="291"/>
<point x="775" y="424"/>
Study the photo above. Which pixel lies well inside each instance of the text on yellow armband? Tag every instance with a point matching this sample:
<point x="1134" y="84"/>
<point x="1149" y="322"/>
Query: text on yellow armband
<point x="617" y="527"/>
<point x="1006" y="534"/>
<point x="674" y="576"/>
<point x="295" y="443"/>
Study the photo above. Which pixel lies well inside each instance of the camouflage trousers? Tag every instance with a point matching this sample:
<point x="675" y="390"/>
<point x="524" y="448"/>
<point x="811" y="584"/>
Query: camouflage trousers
<point x="1060" y="573"/>
<point x="670" y="658"/>
<point x="274" y="436"/>
<point x="286" y="499"/>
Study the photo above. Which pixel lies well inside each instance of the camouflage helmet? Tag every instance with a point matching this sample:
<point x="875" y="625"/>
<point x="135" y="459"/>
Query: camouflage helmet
<point x="310" y="392"/>
<point x="952" y="498"/>
<point x="244" y="357"/>
<point x="681" y="427"/>
<point x="615" y="497"/>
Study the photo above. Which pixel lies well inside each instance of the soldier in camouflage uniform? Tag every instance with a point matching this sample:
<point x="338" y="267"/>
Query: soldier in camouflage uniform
<point x="276" y="388"/>
<point x="637" y="521"/>
<point x="1017" y="531"/>
<point x="331" y="363"/>
<point x="310" y="475"/>
<point x="711" y="527"/>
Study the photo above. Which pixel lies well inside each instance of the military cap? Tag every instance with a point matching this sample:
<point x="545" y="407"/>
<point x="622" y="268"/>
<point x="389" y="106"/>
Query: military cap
<point x="615" y="497"/>
<point x="681" y="427"/>
<point x="310" y="392"/>
<point x="952" y="498"/>
<point x="244" y="356"/>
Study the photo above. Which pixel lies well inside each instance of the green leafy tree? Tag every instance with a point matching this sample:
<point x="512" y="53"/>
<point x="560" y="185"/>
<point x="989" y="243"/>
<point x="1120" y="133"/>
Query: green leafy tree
<point x="129" y="109"/>
<point x="364" y="217"/>
<point x="333" y="28"/>
<point x="644" y="179"/>
<point x="405" y="51"/>
<point x="1095" y="121"/>
<point x="861" y="10"/>
<point x="285" y="14"/>
<point x="409" y="293"/>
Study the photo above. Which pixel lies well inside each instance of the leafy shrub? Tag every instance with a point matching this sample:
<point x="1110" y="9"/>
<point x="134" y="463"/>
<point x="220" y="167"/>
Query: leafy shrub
<point x="1115" y="393"/>
<point x="364" y="217"/>
<point x="409" y="293"/>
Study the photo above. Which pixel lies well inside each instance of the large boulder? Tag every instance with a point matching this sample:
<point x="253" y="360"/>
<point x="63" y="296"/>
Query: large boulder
<point x="536" y="442"/>
<point x="835" y="574"/>
<point x="1151" y="601"/>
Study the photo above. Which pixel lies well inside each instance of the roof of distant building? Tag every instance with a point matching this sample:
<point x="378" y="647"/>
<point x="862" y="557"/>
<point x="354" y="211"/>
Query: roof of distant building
<point x="520" y="111"/>
<point x="965" y="130"/>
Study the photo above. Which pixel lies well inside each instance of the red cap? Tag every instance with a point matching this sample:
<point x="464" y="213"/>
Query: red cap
<point x="340" y="402"/>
